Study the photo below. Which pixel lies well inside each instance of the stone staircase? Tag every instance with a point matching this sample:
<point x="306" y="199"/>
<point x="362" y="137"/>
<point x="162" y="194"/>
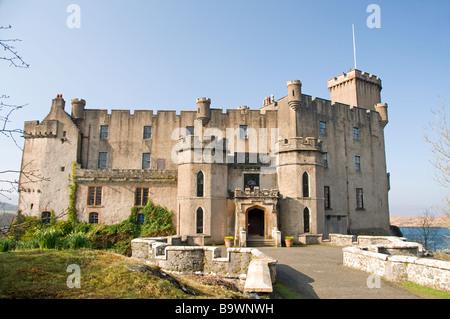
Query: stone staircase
<point x="260" y="242"/>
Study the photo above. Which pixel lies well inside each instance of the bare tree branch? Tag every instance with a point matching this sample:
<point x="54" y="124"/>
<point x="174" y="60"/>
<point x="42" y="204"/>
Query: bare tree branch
<point x="11" y="55"/>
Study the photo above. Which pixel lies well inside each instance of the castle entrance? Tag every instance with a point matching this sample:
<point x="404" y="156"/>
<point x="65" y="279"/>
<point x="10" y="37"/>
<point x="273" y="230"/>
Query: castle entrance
<point x="255" y="222"/>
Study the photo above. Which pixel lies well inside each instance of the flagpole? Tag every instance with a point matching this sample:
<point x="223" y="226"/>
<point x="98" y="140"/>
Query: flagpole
<point x="354" y="44"/>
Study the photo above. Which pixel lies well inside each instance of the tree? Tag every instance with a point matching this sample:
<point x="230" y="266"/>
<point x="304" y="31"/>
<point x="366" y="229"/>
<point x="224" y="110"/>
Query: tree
<point x="11" y="55"/>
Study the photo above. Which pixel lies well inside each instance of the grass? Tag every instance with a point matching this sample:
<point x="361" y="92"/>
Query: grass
<point x="42" y="274"/>
<point x="426" y="291"/>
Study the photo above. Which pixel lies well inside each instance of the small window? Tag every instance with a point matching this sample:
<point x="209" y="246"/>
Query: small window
<point x="358" y="163"/>
<point x="141" y="196"/>
<point x="326" y="192"/>
<point x="95" y="196"/>
<point x="243" y="134"/>
<point x="102" y="160"/>
<point x="104" y="132"/>
<point x="199" y="221"/>
<point x="146" y="160"/>
<point x="325" y="160"/>
<point x="200" y="184"/>
<point x="64" y="133"/>
<point x="45" y="217"/>
<point x="161" y="164"/>
<point x="323" y="128"/>
<point x="356" y="134"/>
<point x="141" y="218"/>
<point x="251" y="181"/>
<point x="93" y="218"/>
<point x="359" y="198"/>
<point x="63" y="168"/>
<point x="189" y="130"/>
<point x="306" y="218"/>
<point x="147" y="132"/>
<point x="305" y="184"/>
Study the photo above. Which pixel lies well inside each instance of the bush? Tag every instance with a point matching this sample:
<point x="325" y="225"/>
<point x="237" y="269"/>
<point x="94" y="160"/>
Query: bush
<point x="76" y="241"/>
<point x="7" y="244"/>
<point x="49" y="238"/>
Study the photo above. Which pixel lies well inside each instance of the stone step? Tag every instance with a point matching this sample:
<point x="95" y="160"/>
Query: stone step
<point x="260" y="242"/>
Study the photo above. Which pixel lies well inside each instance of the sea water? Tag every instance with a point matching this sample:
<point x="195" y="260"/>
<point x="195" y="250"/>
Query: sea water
<point x="438" y="238"/>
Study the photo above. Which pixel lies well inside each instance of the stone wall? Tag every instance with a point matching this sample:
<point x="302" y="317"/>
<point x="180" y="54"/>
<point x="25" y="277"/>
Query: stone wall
<point x="422" y="271"/>
<point x="199" y="260"/>
<point x="350" y="240"/>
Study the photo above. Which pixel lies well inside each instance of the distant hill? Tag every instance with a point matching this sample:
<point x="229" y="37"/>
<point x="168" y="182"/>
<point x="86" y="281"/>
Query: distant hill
<point x="7" y="207"/>
<point x="416" y="221"/>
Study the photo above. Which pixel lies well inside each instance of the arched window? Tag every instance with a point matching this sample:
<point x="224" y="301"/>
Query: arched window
<point x="305" y="184"/>
<point x="200" y="180"/>
<point x="199" y="221"/>
<point x="45" y="217"/>
<point x="306" y="219"/>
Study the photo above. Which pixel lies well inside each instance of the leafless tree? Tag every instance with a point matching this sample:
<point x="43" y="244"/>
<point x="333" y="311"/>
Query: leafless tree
<point x="437" y="137"/>
<point x="7" y="110"/>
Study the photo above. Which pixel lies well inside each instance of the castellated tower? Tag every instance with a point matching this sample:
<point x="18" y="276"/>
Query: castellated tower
<point x="203" y="110"/>
<point x="202" y="194"/>
<point x="78" y="108"/>
<point x="300" y="169"/>
<point x="356" y="88"/>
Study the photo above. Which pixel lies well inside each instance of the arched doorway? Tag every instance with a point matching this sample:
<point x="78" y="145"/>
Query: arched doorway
<point x="255" y="222"/>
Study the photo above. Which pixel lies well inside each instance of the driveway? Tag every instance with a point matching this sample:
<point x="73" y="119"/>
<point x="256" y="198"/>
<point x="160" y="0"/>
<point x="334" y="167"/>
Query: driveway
<point x="317" y="272"/>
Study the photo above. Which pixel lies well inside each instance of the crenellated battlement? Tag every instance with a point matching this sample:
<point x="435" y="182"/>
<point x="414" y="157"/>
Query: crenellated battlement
<point x="46" y="129"/>
<point x="300" y="144"/>
<point x="354" y="74"/>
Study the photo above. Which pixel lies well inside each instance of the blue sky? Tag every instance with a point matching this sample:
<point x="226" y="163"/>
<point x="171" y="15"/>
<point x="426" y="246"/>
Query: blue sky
<point x="165" y="54"/>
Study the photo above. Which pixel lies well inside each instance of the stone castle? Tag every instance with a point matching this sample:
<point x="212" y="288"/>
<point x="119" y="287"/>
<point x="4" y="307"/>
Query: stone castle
<point x="297" y="165"/>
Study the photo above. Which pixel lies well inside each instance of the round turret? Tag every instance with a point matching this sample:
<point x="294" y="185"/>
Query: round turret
<point x="78" y="108"/>
<point x="381" y="108"/>
<point x="203" y="110"/>
<point x="294" y="94"/>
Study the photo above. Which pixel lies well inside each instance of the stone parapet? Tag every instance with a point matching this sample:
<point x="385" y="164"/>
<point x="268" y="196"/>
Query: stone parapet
<point x="125" y="175"/>
<point x="384" y="262"/>
<point x="203" y="260"/>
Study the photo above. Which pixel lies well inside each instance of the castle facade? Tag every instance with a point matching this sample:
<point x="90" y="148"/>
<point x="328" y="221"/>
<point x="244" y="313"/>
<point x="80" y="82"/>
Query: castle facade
<point x="297" y="165"/>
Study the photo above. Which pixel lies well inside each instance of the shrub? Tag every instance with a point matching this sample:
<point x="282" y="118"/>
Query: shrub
<point x="7" y="244"/>
<point x="49" y="238"/>
<point x="76" y="241"/>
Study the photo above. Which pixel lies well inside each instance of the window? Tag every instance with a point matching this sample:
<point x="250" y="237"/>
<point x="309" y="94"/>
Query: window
<point x="358" y="163"/>
<point x="200" y="184"/>
<point x="141" y="218"/>
<point x="147" y="132"/>
<point x="141" y="196"/>
<point x="199" y="221"/>
<point x="95" y="196"/>
<point x="306" y="218"/>
<point x="326" y="192"/>
<point x="161" y="164"/>
<point x="102" y="160"/>
<point x="325" y="160"/>
<point x="104" y="132"/>
<point x="189" y="130"/>
<point x="146" y="160"/>
<point x="243" y="131"/>
<point x="45" y="217"/>
<point x="356" y="134"/>
<point x="251" y="181"/>
<point x="359" y="198"/>
<point x="93" y="218"/>
<point x="323" y="128"/>
<point x="305" y="184"/>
